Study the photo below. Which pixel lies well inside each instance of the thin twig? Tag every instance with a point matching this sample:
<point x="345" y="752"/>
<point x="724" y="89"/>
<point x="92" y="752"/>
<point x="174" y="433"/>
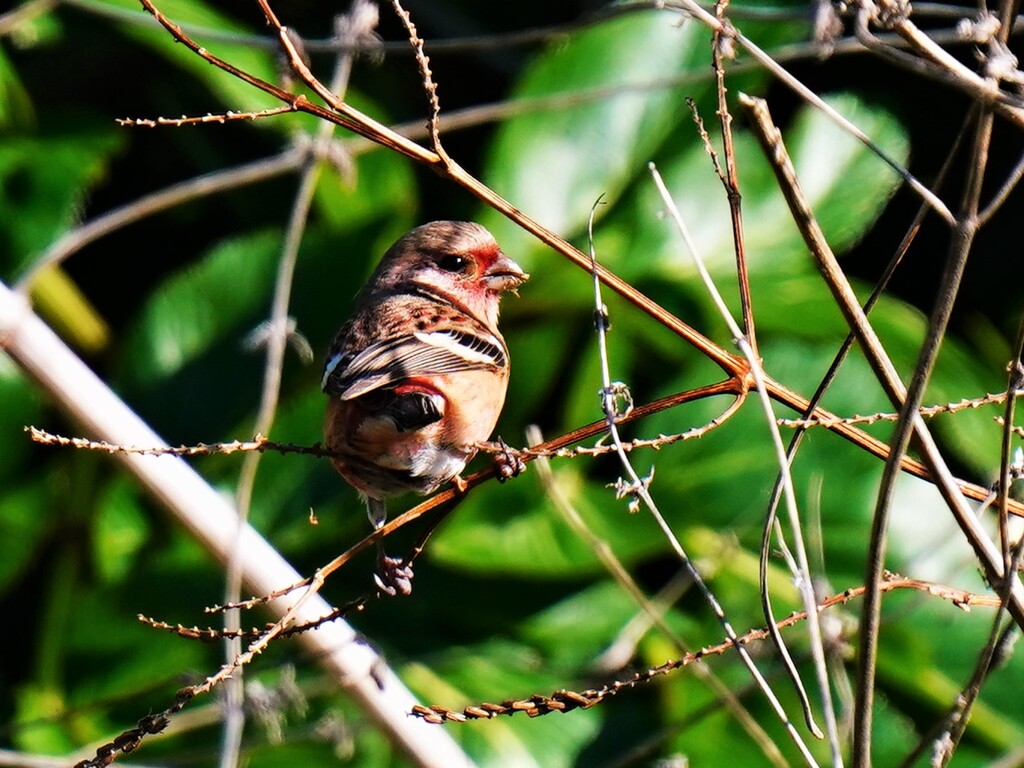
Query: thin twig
<point x="638" y="489"/>
<point x="1014" y="384"/>
<point x="1000" y="196"/>
<point x="804" y="580"/>
<point x="651" y="611"/>
<point x="690" y="7"/>
<point x="427" y="78"/>
<point x="730" y="179"/>
<point x="193" y="189"/>
<point x="215" y="118"/>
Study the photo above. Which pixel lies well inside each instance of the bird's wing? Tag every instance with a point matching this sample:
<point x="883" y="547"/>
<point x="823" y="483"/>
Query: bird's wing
<point x="390" y="361"/>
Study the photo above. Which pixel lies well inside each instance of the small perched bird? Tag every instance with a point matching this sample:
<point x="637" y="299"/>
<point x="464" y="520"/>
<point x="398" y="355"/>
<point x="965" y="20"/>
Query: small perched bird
<point x="417" y="377"/>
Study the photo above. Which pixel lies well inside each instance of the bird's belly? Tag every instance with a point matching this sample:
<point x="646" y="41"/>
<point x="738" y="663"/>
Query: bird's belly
<point x="379" y="459"/>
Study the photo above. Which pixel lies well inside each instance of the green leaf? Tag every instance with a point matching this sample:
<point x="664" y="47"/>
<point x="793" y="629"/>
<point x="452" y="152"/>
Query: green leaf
<point x="23" y="526"/>
<point x="376" y="185"/>
<point x="235" y="94"/>
<point x="44" y="181"/>
<point x="39" y="717"/>
<point x="17" y="112"/>
<point x="19" y="408"/>
<point x="514" y="528"/>
<point x="928" y="676"/>
<point x="596" y="112"/>
<point x="586" y="148"/>
<point x="121" y="529"/>
<point x="201" y="306"/>
<point x="846" y="185"/>
<point x="594" y="617"/>
<point x="219" y="299"/>
<point x="500" y="670"/>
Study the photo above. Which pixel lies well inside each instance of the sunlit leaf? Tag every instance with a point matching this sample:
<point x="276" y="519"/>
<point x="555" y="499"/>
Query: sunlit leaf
<point x="120" y="532"/>
<point x="601" y="112"/>
<point x="847" y="187"/>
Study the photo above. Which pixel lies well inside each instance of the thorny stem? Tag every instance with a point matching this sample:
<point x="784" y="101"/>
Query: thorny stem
<point x="563" y="701"/>
<point x="638" y="489"/>
<point x="433" y="125"/>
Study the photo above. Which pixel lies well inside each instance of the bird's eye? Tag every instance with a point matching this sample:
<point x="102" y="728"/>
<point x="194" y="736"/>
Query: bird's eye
<point x="452" y="263"/>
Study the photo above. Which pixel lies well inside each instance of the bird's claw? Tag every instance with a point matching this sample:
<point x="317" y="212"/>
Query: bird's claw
<point x="393" y="576"/>
<point x="507" y="463"/>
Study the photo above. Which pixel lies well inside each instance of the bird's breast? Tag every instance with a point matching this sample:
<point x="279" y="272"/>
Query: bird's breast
<point x="387" y="459"/>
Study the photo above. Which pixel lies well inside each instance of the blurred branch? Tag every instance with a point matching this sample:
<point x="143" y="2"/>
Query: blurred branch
<point x="193" y="189"/>
<point x="202" y="509"/>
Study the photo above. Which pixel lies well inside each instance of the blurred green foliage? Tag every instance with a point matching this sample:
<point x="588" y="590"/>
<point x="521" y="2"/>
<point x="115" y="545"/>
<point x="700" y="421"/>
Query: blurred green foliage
<point x="509" y="600"/>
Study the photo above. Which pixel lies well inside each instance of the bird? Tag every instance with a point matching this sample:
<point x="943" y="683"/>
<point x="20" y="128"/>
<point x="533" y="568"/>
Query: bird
<point x="416" y="378"/>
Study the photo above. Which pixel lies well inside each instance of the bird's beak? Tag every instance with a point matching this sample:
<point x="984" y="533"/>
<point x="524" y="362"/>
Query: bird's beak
<point x="504" y="274"/>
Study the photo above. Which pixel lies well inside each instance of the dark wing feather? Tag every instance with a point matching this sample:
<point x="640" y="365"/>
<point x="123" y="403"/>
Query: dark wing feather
<point x="421" y="354"/>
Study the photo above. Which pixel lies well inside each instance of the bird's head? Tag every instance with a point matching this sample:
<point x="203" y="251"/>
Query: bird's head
<point x="458" y="260"/>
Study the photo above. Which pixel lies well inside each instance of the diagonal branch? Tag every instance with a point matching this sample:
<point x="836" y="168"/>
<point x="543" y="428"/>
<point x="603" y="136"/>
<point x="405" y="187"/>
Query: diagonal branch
<point x="212" y="520"/>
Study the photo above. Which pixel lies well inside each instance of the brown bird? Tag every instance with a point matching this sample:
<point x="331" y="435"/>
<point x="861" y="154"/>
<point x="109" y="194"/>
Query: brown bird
<point x="417" y="377"/>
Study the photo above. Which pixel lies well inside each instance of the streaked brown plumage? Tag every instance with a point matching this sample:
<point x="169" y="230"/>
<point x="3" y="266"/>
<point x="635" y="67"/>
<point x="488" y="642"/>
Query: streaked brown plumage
<point x="417" y="377"/>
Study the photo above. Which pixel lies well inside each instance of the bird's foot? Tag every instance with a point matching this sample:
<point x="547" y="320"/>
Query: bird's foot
<point x="394" y="576"/>
<point x="507" y="463"/>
